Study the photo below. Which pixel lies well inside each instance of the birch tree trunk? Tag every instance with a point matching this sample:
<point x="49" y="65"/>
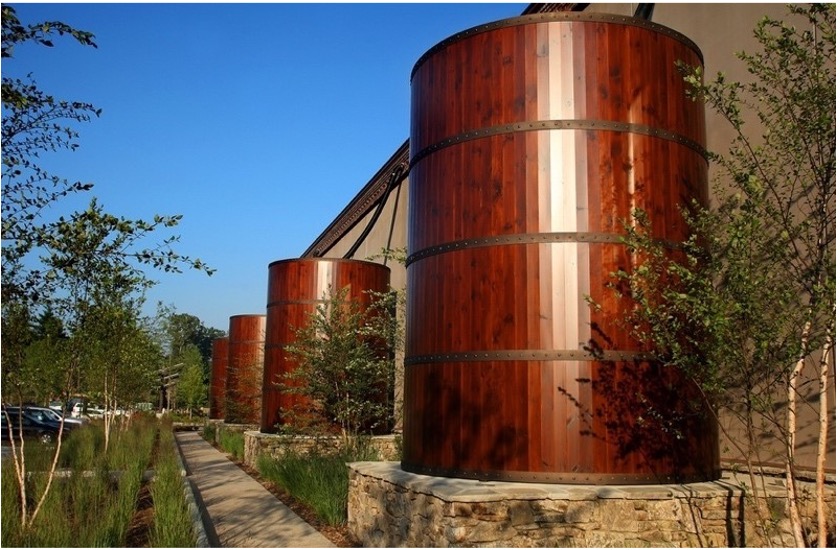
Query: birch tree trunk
<point x="822" y="445"/>
<point x="790" y="477"/>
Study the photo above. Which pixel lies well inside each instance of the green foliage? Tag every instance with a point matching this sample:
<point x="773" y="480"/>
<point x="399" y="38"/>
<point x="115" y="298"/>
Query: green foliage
<point x="319" y="482"/>
<point x="752" y="294"/>
<point x="208" y="433"/>
<point x="191" y="386"/>
<point x="83" y="448"/>
<point x="120" y="359"/>
<point x="243" y="395"/>
<point x="33" y="123"/>
<point x="73" y="267"/>
<point x="187" y="346"/>
<point x="81" y="275"/>
<point x="779" y="238"/>
<point x="399" y="255"/>
<point x="49" y="327"/>
<point x="94" y="504"/>
<point x="87" y="269"/>
<point x="233" y="443"/>
<point x="41" y="350"/>
<point x="319" y="478"/>
<point x="14" y="32"/>
<point x="38" y="380"/>
<point x="345" y="365"/>
<point x="184" y="331"/>
<point x="173" y="524"/>
<point x="704" y="308"/>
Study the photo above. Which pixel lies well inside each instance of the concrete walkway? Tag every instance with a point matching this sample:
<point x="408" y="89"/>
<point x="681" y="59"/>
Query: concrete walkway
<point x="242" y="513"/>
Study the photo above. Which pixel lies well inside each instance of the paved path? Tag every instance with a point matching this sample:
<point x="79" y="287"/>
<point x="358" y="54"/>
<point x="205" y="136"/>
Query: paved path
<point x="242" y="512"/>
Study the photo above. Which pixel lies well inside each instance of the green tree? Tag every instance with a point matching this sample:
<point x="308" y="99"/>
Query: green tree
<point x="345" y="364"/>
<point x="185" y="330"/>
<point x="77" y="267"/>
<point x="192" y="389"/>
<point x="48" y="326"/>
<point x="120" y="360"/>
<point x="140" y="358"/>
<point x="746" y="303"/>
<point x="187" y="343"/>
<point x="34" y="123"/>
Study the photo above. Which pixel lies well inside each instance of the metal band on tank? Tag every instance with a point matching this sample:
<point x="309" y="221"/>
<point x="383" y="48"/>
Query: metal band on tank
<point x="296" y="303"/>
<point x="551" y="17"/>
<point x="568" y="124"/>
<point x="528" y="355"/>
<point x="572" y="478"/>
<point x="309" y="259"/>
<point x="523" y="238"/>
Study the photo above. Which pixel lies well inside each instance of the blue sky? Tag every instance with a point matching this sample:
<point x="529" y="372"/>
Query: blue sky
<point x="257" y="122"/>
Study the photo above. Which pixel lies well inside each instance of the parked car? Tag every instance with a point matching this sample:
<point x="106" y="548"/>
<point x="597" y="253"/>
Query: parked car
<point x="52" y="414"/>
<point x="87" y="410"/>
<point x="34" y="424"/>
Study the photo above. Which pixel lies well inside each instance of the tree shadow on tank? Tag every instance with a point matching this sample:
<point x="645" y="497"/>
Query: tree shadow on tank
<point x="467" y="433"/>
<point x="647" y="418"/>
<point x="500" y="454"/>
<point x="654" y="419"/>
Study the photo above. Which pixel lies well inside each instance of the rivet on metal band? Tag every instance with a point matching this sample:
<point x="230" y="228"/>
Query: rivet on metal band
<point x="565" y="124"/>
<point x="528" y="355"/>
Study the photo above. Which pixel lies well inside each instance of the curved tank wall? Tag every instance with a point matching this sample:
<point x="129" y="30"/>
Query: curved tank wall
<point x="295" y="288"/>
<point x="532" y="140"/>
<point x="246" y="338"/>
<point x="218" y="378"/>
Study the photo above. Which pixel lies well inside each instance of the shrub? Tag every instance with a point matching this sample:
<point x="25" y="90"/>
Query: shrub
<point x="344" y="372"/>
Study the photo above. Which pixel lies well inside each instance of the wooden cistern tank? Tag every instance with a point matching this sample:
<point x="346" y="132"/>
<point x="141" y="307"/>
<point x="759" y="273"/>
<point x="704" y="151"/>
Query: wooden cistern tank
<point x="532" y="141"/>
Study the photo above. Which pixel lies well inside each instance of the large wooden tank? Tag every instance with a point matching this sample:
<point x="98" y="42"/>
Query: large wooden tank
<point x="218" y="378"/>
<point x="246" y="339"/>
<point x="532" y="139"/>
<point x="295" y="288"/>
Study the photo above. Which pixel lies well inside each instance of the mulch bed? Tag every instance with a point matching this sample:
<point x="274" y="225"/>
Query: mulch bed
<point x="144" y="511"/>
<point x="141" y="523"/>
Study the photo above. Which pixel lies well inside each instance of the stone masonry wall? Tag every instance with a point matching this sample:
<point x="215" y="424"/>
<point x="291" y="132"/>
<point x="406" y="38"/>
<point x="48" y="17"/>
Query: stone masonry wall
<point x="220" y="426"/>
<point x="257" y="443"/>
<point x="391" y="508"/>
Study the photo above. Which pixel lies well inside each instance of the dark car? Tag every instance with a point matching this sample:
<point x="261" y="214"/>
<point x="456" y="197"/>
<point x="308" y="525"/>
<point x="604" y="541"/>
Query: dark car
<point x="53" y="415"/>
<point x="34" y="423"/>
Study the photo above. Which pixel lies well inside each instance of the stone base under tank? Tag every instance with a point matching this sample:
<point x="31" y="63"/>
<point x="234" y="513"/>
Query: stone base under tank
<point x="274" y="445"/>
<point x="388" y="507"/>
